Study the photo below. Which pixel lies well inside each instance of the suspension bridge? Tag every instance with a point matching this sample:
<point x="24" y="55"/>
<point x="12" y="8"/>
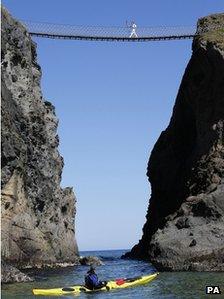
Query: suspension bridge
<point x="131" y="33"/>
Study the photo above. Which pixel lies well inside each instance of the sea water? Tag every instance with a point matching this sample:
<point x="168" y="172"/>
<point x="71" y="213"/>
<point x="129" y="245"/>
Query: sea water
<point x="168" y="285"/>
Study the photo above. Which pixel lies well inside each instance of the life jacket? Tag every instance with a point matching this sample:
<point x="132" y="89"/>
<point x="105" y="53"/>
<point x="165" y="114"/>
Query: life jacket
<point x="91" y="280"/>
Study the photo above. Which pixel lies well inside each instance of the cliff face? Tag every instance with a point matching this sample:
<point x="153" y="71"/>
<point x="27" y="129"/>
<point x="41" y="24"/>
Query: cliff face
<point x="37" y="214"/>
<point x="185" y="220"/>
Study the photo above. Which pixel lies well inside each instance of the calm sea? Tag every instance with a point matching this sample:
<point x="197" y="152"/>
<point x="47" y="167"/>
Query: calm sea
<point x="167" y="285"/>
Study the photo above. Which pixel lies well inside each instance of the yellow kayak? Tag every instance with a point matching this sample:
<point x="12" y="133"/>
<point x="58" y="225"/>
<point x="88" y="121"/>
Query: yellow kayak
<point x="114" y="284"/>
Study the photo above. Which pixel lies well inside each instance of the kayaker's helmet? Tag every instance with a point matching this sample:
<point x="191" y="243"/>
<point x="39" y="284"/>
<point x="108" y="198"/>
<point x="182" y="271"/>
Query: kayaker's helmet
<point x="91" y="270"/>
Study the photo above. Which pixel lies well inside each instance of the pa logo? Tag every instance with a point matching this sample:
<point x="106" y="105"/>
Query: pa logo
<point x="213" y="290"/>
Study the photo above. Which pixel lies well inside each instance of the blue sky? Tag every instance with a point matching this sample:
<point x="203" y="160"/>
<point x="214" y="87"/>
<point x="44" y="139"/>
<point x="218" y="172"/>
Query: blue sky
<point x="113" y="100"/>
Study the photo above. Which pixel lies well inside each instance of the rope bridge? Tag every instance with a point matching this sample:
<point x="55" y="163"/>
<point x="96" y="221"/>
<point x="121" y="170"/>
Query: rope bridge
<point x="129" y="33"/>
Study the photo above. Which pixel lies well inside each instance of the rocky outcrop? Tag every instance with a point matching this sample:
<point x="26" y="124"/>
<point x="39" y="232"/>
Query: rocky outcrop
<point x="37" y="214"/>
<point x="11" y="274"/>
<point x="90" y="260"/>
<point x="184" y="229"/>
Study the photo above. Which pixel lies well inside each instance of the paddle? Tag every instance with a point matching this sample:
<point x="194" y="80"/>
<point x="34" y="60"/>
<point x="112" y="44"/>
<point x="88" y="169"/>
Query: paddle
<point x="132" y="279"/>
<point x="121" y="281"/>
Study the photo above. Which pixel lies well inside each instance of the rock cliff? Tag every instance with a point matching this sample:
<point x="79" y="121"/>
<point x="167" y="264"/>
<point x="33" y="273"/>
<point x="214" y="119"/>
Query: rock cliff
<point x="184" y="227"/>
<point x="37" y="214"/>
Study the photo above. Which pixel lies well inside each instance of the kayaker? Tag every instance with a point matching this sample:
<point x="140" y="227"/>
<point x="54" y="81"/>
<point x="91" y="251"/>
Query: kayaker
<point x="91" y="280"/>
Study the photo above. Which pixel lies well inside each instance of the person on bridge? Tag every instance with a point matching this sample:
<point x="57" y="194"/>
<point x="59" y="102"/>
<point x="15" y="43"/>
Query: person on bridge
<point x="91" y="280"/>
<point x="133" y="32"/>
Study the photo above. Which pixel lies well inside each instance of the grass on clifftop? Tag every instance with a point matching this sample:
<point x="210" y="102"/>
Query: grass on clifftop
<point x="215" y="37"/>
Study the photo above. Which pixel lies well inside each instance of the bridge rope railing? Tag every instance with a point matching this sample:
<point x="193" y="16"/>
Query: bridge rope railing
<point x="109" y="32"/>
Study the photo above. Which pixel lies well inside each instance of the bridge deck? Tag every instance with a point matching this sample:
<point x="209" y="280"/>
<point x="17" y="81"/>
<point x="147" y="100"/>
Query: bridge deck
<point x="112" y="38"/>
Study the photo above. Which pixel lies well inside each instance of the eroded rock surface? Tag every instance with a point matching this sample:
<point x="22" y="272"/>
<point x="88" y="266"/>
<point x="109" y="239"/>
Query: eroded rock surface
<point x="185" y="220"/>
<point x="37" y="214"/>
<point x="11" y="274"/>
<point x="90" y="260"/>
